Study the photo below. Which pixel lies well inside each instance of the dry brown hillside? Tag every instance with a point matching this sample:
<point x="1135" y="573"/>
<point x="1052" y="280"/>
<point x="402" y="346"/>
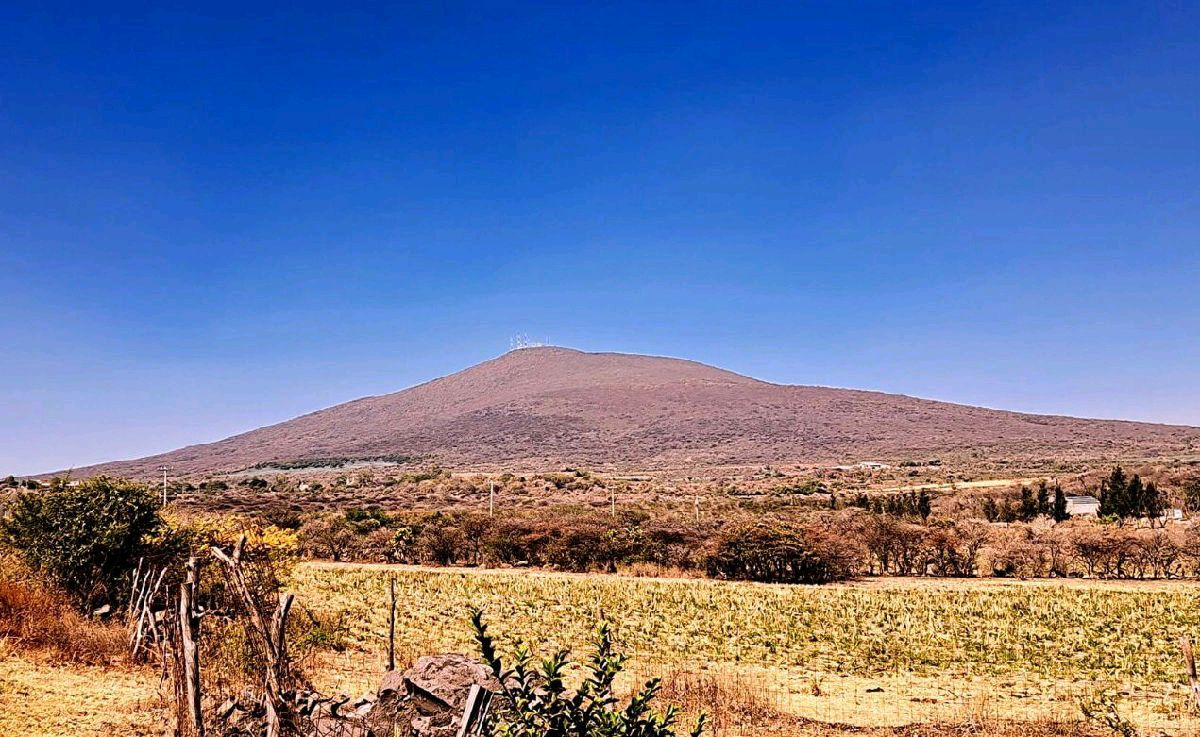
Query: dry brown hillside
<point x="542" y="407"/>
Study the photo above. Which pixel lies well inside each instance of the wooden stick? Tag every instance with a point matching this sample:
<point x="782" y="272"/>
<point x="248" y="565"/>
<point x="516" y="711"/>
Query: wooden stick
<point x="233" y="564"/>
<point x="136" y="604"/>
<point x="391" y="653"/>
<point x="144" y="601"/>
<point x="279" y="633"/>
<point x="133" y="589"/>
<point x="475" y="711"/>
<point x="1189" y="661"/>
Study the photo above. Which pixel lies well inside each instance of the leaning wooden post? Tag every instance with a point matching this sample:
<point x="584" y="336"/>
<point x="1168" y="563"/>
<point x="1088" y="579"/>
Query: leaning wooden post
<point x="188" y="628"/>
<point x="277" y="671"/>
<point x="391" y="653"/>
<point x="271" y="637"/>
<point x="133" y="593"/>
<point x="1189" y="662"/>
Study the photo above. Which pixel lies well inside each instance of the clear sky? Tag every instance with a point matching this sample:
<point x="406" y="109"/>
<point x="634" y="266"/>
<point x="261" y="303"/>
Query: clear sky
<point x="214" y="216"/>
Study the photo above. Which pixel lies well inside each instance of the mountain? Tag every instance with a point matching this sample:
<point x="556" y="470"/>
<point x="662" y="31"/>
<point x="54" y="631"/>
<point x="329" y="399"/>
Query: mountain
<point x="536" y="408"/>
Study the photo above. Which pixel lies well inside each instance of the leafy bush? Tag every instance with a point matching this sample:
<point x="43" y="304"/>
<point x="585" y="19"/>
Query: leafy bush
<point x="780" y="553"/>
<point x="271" y="546"/>
<point x="328" y="535"/>
<point x="535" y="701"/>
<point x="84" y="539"/>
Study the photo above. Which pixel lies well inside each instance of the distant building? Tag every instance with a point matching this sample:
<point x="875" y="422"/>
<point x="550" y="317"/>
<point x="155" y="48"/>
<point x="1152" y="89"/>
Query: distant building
<point x="1084" y="505"/>
<point x="868" y="465"/>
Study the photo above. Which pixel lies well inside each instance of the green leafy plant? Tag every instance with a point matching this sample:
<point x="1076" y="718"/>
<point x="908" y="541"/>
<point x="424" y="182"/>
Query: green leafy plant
<point x="84" y="538"/>
<point x="535" y="701"/>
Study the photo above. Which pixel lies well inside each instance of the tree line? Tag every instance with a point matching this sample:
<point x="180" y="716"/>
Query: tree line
<point x="86" y="538"/>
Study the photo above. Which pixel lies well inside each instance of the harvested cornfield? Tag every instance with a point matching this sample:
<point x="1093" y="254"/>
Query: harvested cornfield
<point x="874" y="654"/>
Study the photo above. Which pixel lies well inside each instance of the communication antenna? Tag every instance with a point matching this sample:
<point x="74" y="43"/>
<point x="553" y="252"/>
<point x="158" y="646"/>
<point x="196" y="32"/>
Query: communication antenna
<point x="164" y="470"/>
<point x="522" y="340"/>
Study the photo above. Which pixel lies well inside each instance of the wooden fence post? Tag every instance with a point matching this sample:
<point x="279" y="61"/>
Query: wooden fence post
<point x="1189" y="662"/>
<point x="391" y="651"/>
<point x="189" y="653"/>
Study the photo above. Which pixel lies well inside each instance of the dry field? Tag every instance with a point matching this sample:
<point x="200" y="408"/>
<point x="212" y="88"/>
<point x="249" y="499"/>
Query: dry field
<point x="877" y="658"/>
<point x="869" y="654"/>
<point x="41" y="699"/>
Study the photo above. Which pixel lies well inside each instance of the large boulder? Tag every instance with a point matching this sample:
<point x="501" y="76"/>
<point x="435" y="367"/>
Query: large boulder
<point x="436" y="687"/>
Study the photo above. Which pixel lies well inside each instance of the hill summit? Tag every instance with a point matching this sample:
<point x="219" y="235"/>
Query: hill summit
<point x="537" y="408"/>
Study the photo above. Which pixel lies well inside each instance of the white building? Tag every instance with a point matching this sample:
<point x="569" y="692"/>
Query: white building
<point x="1084" y="505"/>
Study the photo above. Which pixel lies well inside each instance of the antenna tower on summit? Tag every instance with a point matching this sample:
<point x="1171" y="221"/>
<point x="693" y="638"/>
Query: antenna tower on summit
<point x="521" y="340"/>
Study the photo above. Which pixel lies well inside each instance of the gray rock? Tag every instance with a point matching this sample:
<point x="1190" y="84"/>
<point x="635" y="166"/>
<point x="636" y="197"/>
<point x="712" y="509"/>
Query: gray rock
<point x="437" y="687"/>
<point x="392" y="685"/>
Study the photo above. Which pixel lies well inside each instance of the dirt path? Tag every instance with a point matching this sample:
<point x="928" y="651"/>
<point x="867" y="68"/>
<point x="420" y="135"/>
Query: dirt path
<point x="882" y="582"/>
<point x="957" y="485"/>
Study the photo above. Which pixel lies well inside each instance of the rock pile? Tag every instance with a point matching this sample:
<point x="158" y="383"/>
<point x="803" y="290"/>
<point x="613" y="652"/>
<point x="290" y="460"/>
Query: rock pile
<point x="426" y="700"/>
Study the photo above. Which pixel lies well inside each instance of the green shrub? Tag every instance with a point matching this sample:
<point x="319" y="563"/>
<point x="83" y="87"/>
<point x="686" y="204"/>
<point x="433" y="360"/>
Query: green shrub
<point x="535" y="702"/>
<point x="781" y="553"/>
<point x="85" y="539"/>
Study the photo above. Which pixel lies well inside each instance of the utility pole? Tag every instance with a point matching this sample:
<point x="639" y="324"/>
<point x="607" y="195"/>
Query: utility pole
<point x="697" y="503"/>
<point x="613" y="497"/>
<point x="491" y="498"/>
<point x="164" y="470"/>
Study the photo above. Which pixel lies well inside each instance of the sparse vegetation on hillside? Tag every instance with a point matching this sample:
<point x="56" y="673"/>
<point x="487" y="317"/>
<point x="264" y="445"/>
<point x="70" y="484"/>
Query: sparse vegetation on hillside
<point x="332" y="462"/>
<point x="542" y="406"/>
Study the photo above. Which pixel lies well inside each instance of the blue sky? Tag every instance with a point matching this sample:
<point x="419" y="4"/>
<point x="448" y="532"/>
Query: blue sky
<point x="214" y="217"/>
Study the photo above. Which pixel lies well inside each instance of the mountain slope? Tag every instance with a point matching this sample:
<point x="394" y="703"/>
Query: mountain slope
<point x="542" y="407"/>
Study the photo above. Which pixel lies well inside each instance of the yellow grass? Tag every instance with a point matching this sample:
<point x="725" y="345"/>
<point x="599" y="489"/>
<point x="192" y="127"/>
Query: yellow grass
<point x="40" y="699"/>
